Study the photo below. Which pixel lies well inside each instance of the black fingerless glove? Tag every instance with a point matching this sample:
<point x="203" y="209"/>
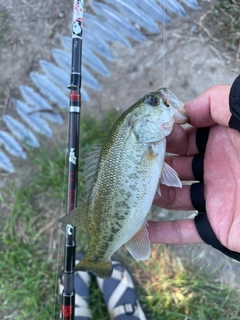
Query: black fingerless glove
<point x="234" y="104"/>
<point x="197" y="190"/>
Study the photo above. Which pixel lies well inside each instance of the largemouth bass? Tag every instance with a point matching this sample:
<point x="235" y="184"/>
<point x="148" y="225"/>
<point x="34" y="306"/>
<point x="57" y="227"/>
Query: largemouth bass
<point x="122" y="178"/>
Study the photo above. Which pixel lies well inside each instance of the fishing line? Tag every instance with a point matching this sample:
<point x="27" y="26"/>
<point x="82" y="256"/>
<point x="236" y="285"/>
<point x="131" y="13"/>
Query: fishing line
<point x="163" y="44"/>
<point x="62" y="210"/>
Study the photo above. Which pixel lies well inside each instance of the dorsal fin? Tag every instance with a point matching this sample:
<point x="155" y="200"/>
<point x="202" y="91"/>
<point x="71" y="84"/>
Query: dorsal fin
<point x="90" y="168"/>
<point x="78" y="216"/>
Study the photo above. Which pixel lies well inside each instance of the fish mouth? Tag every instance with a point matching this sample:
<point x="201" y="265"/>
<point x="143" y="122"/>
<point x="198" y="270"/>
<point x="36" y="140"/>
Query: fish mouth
<point x="180" y="114"/>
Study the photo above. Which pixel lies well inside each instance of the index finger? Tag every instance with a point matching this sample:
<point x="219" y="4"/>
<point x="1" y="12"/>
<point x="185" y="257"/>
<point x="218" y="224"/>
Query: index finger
<point x="173" y="232"/>
<point x="210" y="108"/>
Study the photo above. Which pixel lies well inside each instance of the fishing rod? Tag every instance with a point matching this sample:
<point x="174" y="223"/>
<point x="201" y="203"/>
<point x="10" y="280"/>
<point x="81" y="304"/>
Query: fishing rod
<point x="68" y="294"/>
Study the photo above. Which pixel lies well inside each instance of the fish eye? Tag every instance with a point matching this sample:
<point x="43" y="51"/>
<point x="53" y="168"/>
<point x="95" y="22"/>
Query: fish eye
<point x="152" y="100"/>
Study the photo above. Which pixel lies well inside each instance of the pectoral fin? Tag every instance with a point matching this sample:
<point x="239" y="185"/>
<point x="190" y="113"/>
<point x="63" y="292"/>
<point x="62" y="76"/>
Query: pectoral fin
<point x="169" y="177"/>
<point x="139" y="244"/>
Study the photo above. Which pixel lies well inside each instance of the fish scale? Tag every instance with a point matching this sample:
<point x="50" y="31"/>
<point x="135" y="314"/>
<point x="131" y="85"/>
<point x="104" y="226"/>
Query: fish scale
<point x="122" y="179"/>
<point x="117" y="202"/>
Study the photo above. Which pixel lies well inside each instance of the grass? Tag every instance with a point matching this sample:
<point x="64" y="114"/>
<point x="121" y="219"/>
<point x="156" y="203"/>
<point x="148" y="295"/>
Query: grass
<point x="30" y="213"/>
<point x="176" y="289"/>
<point x="222" y="25"/>
<point x="4" y="25"/>
<point x="26" y="270"/>
<point x="169" y="288"/>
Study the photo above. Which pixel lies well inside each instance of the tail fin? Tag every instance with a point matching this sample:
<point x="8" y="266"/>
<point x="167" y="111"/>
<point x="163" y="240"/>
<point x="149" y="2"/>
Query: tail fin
<point x="102" y="269"/>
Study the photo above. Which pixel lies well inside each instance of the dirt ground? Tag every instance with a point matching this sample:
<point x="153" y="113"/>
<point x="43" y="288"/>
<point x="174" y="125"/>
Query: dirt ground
<point x="182" y="57"/>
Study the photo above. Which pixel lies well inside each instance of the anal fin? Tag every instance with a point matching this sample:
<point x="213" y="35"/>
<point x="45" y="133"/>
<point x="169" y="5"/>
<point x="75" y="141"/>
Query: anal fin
<point x="139" y="244"/>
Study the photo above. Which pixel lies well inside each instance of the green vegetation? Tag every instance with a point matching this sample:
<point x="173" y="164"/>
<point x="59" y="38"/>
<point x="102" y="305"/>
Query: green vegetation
<point x="169" y="288"/>
<point x="173" y="288"/>
<point x="25" y="266"/>
<point x="222" y="23"/>
<point x="4" y="25"/>
<point x="29" y="231"/>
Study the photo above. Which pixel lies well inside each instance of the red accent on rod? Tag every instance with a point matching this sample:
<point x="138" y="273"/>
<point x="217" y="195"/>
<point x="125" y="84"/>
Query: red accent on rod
<point x="67" y="311"/>
<point x="75" y="96"/>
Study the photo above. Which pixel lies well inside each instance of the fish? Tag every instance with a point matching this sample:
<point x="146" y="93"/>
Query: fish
<point x="121" y="180"/>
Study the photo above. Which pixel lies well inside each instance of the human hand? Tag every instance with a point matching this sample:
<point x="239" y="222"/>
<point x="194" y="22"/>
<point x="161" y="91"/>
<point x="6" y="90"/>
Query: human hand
<point x="221" y="174"/>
